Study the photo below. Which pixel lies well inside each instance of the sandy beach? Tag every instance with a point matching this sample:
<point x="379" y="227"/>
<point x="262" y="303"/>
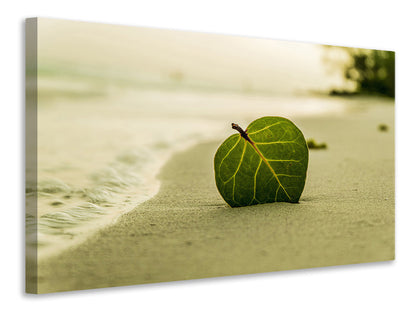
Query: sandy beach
<point x="345" y="216"/>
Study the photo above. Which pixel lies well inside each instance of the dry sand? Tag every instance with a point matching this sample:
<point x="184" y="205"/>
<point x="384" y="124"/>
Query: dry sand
<point x="346" y="215"/>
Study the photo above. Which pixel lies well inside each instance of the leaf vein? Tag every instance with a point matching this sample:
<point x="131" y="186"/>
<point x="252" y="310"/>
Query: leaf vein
<point x="255" y="180"/>
<point x="239" y="164"/>
<point x="271" y="169"/>
<point x="267" y="127"/>
<point x="228" y="153"/>
<point x="279" y="142"/>
<point x="277" y="191"/>
<point x="288" y="175"/>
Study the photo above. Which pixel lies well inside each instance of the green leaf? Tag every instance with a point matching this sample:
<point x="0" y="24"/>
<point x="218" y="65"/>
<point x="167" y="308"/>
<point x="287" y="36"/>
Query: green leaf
<point x="263" y="164"/>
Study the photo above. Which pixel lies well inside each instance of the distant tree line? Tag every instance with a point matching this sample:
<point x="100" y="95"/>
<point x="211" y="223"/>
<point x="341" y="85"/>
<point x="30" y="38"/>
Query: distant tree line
<point x="372" y="71"/>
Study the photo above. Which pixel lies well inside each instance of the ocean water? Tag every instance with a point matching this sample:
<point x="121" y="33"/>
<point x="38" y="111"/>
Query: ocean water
<point x="99" y="153"/>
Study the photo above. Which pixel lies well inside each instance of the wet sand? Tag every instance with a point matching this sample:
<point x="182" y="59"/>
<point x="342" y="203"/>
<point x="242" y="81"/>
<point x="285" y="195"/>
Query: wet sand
<point x="345" y="216"/>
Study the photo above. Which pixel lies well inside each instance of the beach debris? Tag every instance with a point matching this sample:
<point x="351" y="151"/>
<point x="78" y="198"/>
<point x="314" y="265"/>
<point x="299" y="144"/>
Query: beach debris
<point x="57" y="203"/>
<point x="313" y="145"/>
<point x="265" y="163"/>
<point x="383" y="127"/>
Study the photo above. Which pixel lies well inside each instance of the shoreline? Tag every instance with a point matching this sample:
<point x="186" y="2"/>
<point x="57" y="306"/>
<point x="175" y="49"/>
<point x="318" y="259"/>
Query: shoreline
<point x="84" y="189"/>
<point x="345" y="216"/>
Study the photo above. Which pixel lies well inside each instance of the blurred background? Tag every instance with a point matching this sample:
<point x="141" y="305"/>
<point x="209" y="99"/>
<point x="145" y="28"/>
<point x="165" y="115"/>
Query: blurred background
<point x="114" y="56"/>
<point x="365" y="72"/>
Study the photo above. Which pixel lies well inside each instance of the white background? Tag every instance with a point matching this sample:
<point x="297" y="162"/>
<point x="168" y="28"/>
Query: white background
<point x="388" y="25"/>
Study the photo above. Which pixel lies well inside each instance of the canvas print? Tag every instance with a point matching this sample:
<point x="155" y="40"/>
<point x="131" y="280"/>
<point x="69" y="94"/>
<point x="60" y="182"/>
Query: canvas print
<point x="157" y="155"/>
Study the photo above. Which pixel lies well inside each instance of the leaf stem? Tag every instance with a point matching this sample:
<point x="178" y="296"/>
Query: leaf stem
<point x="242" y="132"/>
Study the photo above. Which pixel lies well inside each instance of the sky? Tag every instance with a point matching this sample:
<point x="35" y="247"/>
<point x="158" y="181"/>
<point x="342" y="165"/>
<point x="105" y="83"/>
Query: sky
<point x="214" y="60"/>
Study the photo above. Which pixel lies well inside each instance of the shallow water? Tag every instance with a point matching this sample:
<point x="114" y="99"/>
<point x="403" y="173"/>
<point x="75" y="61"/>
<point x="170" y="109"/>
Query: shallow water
<point x="99" y="154"/>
